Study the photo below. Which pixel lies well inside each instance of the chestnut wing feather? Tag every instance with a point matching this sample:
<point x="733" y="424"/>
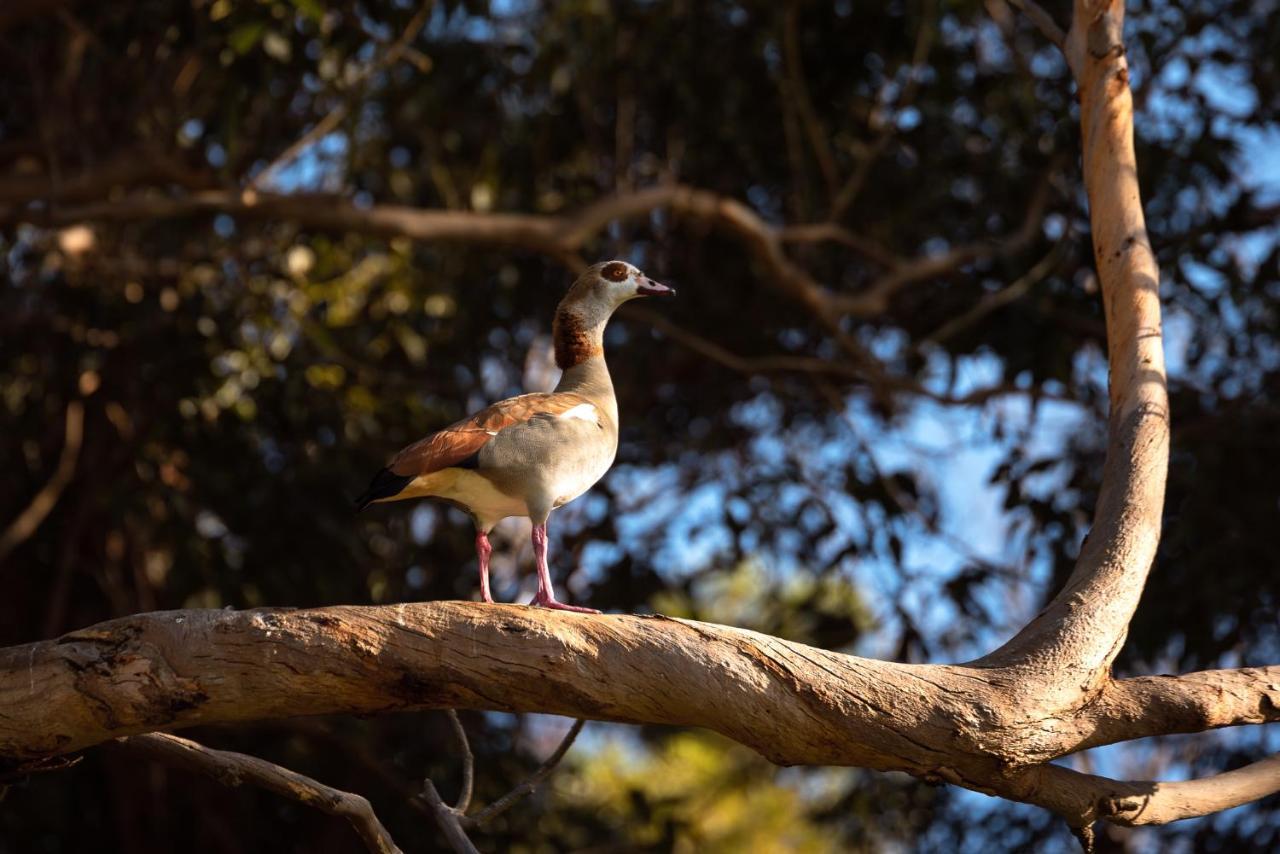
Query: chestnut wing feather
<point x="458" y="443"/>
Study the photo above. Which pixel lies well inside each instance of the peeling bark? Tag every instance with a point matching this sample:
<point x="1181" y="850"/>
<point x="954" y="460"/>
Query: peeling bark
<point x="794" y="704"/>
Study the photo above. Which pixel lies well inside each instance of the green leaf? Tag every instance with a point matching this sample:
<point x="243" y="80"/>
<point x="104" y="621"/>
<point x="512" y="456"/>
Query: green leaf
<point x="245" y="37"/>
<point x="309" y="9"/>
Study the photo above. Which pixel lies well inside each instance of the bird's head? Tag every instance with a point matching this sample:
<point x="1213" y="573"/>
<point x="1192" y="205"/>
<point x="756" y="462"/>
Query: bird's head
<point x="578" y="329"/>
<point x="611" y="283"/>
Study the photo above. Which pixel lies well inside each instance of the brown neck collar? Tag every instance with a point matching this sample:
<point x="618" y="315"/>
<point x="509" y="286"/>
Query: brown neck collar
<point x="576" y="338"/>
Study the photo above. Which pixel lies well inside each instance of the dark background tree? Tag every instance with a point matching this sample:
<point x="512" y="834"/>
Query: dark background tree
<point x="243" y="361"/>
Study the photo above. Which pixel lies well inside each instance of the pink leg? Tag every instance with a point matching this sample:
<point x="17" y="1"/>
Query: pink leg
<point x="483" y="550"/>
<point x="546" y="597"/>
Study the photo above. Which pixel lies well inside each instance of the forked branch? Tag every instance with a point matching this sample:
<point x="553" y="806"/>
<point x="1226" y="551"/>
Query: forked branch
<point x="993" y="725"/>
<point x="968" y="725"/>
<point x="453" y="820"/>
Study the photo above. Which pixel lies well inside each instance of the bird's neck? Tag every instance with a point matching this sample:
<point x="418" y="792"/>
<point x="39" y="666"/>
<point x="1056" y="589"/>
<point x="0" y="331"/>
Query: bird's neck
<point x="579" y="344"/>
<point x="590" y="378"/>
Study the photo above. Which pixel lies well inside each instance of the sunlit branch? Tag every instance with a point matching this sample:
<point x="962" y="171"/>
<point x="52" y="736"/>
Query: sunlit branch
<point x="1069" y="646"/>
<point x="1085" y="798"/>
<point x="1146" y="706"/>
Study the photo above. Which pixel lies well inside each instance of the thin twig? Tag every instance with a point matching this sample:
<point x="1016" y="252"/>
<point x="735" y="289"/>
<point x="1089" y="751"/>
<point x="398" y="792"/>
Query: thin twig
<point x="822" y="232"/>
<point x="26" y="523"/>
<point x="454" y="820"/>
<point x="335" y="116"/>
<point x="874" y="299"/>
<point x="1043" y="20"/>
<point x="317" y="132"/>
<point x="816" y="366"/>
<point x="505" y="802"/>
<point x="236" y="769"/>
<point x="468" y="764"/>
<point x="43" y="765"/>
<point x="867" y="158"/>
<point x="818" y="137"/>
<point x="999" y="299"/>
<point x="1084" y="835"/>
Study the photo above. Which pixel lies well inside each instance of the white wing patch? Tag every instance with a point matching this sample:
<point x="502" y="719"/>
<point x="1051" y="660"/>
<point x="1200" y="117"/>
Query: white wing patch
<point x="583" y="412"/>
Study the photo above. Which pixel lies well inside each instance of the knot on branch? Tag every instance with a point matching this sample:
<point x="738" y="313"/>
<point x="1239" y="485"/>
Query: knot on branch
<point x="116" y="664"/>
<point x="1105" y="36"/>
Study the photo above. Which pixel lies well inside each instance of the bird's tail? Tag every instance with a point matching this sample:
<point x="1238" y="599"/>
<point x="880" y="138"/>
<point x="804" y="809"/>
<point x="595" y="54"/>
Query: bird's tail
<point x="385" y="484"/>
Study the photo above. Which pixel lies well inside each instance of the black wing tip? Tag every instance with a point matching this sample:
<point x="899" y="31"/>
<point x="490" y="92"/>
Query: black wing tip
<point x="385" y="484"/>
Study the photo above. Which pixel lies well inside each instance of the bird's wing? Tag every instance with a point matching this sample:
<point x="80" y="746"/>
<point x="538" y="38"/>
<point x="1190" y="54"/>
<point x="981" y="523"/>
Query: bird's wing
<point x="458" y="444"/>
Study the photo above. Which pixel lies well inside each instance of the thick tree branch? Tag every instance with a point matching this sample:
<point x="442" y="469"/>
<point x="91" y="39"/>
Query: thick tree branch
<point x="179" y="668"/>
<point x="1194" y="702"/>
<point x="990" y="726"/>
<point x="236" y="769"/>
<point x="1068" y="648"/>
<point x="966" y="725"/>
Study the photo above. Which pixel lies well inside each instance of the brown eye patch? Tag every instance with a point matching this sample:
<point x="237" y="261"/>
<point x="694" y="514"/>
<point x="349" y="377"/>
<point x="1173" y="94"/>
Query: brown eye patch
<point x="614" y="271"/>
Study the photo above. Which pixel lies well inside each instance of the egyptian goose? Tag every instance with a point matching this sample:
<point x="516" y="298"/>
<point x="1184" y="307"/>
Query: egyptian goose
<point x="528" y="455"/>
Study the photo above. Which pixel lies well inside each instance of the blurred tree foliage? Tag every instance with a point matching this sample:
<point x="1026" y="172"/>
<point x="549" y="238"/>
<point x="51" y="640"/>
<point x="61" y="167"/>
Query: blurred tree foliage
<point x="241" y="375"/>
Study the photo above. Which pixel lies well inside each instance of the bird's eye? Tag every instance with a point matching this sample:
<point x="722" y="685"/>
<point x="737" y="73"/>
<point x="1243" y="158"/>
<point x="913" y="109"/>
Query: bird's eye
<point x="615" y="271"/>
